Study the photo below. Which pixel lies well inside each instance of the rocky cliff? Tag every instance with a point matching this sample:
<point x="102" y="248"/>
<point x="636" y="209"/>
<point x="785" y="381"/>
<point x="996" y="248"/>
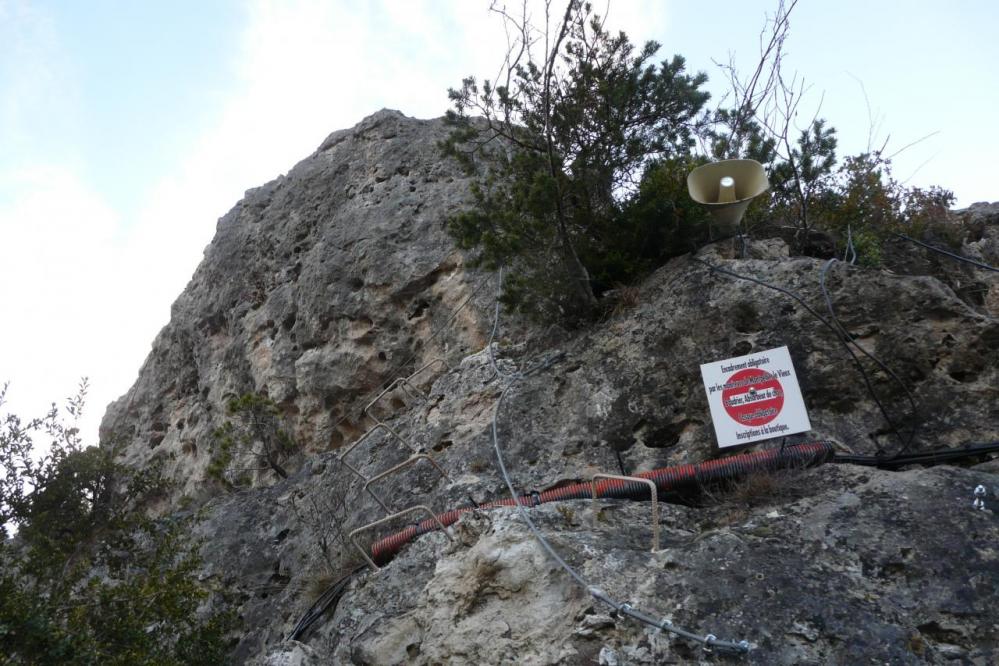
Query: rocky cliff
<point x="314" y="288"/>
<point x="324" y="284"/>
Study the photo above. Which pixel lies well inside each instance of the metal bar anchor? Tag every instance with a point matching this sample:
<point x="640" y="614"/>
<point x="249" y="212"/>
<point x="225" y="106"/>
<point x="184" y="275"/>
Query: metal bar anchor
<point x="378" y="426"/>
<point x="399" y="382"/>
<point x="637" y="479"/>
<point x="392" y="470"/>
<point x="427" y="365"/>
<point x="418" y="507"/>
<point x="407" y="385"/>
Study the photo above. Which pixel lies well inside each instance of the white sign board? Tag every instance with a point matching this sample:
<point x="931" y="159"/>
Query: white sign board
<point x="754" y="397"/>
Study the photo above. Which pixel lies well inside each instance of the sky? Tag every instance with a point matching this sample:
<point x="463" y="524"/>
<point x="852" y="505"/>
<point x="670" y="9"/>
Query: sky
<point x="128" y="128"/>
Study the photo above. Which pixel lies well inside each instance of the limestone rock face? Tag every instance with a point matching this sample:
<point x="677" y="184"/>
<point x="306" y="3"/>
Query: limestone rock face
<point x="814" y="573"/>
<point x="317" y="285"/>
<point x="978" y="230"/>
<point x="820" y="566"/>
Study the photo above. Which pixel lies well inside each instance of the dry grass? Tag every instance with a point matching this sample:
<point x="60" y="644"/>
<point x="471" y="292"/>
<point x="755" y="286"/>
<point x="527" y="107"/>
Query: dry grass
<point x="765" y="488"/>
<point x="761" y="488"/>
<point x="620" y="300"/>
<point x="628" y="297"/>
<point x="568" y="514"/>
<point x="327" y="576"/>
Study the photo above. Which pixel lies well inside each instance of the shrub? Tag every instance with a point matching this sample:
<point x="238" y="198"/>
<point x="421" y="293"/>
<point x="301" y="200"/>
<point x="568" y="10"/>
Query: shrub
<point x="865" y="203"/>
<point x="252" y="442"/>
<point x="88" y="578"/>
<point x="565" y="135"/>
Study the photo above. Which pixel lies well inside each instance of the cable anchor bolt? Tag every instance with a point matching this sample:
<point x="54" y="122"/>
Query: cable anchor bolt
<point x="979" y="502"/>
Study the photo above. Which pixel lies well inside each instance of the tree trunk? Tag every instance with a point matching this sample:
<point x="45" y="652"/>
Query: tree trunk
<point x="578" y="275"/>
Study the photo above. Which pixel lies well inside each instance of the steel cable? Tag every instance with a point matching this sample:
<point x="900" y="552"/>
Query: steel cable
<point x="709" y="641"/>
<point x="492" y="334"/>
<point x="830" y="326"/>
<point x="848" y="338"/>
<point x="952" y="255"/>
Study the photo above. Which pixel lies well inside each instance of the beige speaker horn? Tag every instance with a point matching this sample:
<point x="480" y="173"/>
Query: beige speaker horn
<point x="725" y="188"/>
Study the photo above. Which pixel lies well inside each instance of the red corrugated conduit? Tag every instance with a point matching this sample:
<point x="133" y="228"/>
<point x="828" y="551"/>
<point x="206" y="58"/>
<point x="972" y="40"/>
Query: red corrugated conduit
<point x="682" y="478"/>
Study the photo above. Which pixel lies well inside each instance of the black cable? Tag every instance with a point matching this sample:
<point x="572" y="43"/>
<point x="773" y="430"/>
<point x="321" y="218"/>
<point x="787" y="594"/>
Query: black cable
<point x="620" y="463"/>
<point x="949" y="254"/>
<point x="829" y="325"/>
<point x="849" y="338"/>
<point x="924" y="458"/>
<point x="327" y="599"/>
<point x="788" y="292"/>
<point x="709" y="641"/>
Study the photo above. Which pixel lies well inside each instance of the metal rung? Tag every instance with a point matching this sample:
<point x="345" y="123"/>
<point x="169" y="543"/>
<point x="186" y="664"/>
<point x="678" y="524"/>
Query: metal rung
<point x="637" y="479"/>
<point x="405" y="383"/>
<point x="406" y="463"/>
<point x="427" y="365"/>
<point x="400" y="382"/>
<point x="368" y="433"/>
<point x="418" y="507"/>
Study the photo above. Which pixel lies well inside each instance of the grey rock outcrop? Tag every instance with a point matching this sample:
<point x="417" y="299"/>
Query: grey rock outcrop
<point x="977" y="230"/>
<point x="313" y="277"/>
<point x="814" y="573"/>
<point x="314" y="288"/>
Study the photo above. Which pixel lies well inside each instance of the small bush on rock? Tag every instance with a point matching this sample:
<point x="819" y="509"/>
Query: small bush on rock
<point x="85" y="577"/>
<point x="253" y="441"/>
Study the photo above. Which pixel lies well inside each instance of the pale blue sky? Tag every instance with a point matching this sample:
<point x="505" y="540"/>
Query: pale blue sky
<point x="128" y="128"/>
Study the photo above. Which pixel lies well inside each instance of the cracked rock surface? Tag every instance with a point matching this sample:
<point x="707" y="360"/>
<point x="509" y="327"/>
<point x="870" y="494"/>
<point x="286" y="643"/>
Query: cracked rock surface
<point x="315" y="287"/>
<point x="321" y="282"/>
<point x="840" y="566"/>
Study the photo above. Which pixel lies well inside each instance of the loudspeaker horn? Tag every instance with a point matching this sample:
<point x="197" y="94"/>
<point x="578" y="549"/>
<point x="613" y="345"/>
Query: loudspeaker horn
<point x="725" y="188"/>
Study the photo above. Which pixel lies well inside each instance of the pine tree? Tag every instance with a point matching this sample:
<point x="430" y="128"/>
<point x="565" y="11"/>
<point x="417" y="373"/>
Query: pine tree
<point x="559" y="145"/>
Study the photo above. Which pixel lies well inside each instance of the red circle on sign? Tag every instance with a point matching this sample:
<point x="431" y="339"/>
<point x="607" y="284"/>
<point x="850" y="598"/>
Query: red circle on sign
<point x="753" y="397"/>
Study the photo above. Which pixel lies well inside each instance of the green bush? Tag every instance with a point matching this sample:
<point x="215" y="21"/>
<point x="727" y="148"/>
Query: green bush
<point x="253" y="441"/>
<point x="85" y="577"/>
<point x="131" y="598"/>
<point x="563" y="139"/>
<point x="865" y="203"/>
<point x="660" y="221"/>
<point x="582" y="145"/>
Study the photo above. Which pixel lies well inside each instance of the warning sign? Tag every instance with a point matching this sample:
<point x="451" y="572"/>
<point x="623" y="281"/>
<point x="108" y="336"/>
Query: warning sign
<point x="754" y="397"/>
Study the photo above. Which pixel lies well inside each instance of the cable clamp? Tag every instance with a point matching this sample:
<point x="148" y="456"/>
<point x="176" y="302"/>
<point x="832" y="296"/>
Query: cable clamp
<point x="709" y="641"/>
<point x="979" y="502"/>
<point x="742" y="647"/>
<point x="600" y="595"/>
